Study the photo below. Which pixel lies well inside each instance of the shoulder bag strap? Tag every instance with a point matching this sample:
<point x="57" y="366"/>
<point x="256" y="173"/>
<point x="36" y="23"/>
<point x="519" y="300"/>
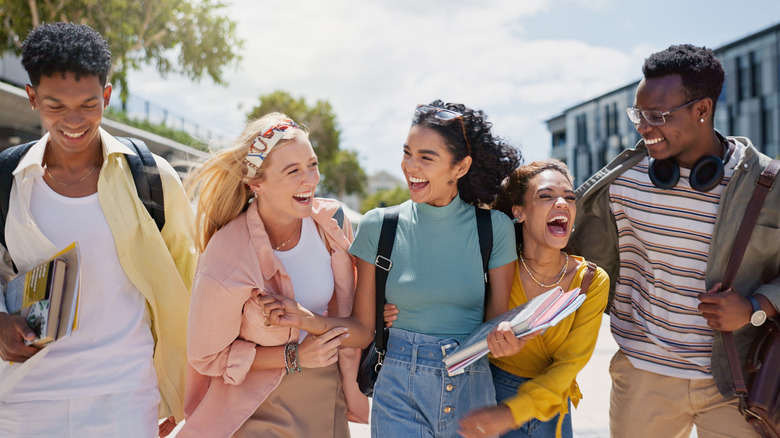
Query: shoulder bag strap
<point x="383" y="265"/>
<point x="764" y="184"/>
<point x="588" y="277"/>
<point x="485" y="233"/>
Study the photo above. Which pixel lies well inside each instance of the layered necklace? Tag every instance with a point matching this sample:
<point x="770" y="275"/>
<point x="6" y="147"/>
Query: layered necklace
<point x="560" y="275"/>
<point x="282" y="245"/>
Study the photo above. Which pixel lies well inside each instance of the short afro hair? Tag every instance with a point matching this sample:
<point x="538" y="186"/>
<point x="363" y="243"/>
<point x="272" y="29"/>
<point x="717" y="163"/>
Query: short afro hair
<point x="702" y="74"/>
<point x="65" y="47"/>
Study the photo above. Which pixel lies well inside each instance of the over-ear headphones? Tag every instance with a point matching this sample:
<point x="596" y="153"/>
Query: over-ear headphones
<point x="706" y="174"/>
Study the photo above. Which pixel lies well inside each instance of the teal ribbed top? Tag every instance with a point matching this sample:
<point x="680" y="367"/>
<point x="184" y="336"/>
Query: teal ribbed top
<point x="436" y="279"/>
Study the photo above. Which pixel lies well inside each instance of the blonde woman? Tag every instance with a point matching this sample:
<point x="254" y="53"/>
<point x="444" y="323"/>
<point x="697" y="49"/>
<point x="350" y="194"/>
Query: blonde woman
<point x="262" y="231"/>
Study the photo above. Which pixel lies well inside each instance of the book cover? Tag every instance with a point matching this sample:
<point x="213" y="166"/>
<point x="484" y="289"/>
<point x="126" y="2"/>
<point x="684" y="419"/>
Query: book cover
<point x="47" y="296"/>
<point x="36" y="296"/>
<point x="539" y="313"/>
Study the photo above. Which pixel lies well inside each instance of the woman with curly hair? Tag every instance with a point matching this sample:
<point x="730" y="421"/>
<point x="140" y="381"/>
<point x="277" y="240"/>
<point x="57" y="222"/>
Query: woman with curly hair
<point x="536" y="386"/>
<point x="453" y="164"/>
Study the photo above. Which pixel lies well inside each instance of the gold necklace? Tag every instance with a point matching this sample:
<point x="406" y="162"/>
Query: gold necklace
<point x="562" y="274"/>
<point x="46" y="168"/>
<point x="277" y="248"/>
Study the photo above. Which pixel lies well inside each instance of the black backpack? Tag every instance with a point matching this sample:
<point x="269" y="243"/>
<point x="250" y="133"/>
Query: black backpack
<point x="146" y="176"/>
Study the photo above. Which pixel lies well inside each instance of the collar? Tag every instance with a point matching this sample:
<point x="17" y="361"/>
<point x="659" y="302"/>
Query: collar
<point x="32" y="162"/>
<point x="441" y="213"/>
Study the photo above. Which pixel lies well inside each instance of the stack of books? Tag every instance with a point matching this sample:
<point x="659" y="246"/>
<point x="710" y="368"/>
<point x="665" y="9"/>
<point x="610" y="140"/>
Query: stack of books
<point x="537" y="314"/>
<point x="47" y="296"/>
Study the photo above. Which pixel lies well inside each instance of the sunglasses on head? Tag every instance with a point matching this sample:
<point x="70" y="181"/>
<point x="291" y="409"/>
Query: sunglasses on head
<point x="445" y="115"/>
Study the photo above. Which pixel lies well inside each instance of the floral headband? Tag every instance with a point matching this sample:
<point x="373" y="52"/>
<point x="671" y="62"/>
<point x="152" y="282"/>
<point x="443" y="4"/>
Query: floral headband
<point x="263" y="144"/>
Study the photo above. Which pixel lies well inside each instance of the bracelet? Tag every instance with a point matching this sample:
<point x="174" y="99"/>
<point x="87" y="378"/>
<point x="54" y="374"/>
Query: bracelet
<point x="292" y="361"/>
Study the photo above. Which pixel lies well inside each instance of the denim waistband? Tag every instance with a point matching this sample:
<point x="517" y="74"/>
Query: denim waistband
<point x="419" y="349"/>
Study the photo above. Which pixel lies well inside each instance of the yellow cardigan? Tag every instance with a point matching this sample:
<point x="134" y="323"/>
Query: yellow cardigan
<point x="553" y="359"/>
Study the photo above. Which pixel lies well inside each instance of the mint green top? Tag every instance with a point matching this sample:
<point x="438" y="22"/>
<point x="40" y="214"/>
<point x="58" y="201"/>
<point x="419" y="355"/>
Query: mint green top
<point x="436" y="279"/>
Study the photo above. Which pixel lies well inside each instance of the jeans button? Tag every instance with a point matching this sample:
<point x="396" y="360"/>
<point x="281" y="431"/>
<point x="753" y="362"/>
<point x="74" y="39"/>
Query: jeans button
<point x="447" y="410"/>
<point x="450" y="387"/>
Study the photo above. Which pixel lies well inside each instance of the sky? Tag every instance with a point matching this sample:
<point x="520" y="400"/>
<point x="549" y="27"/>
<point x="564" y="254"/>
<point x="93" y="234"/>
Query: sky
<point x="520" y="61"/>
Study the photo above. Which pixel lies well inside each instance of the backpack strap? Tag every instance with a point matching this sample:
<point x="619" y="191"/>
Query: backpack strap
<point x="9" y="159"/>
<point x="588" y="277"/>
<point x="339" y="216"/>
<point x="147" y="179"/>
<point x="383" y="264"/>
<point x="485" y="233"/>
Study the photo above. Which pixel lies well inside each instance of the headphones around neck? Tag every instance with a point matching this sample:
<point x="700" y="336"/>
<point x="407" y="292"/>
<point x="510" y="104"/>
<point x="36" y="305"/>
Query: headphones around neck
<point x="706" y="174"/>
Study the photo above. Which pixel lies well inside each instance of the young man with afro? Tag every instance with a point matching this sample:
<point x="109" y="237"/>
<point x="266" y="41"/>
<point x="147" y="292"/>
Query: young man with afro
<point x="124" y="366"/>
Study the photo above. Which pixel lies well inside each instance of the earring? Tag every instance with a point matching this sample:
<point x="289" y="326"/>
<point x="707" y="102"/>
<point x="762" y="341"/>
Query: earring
<point x="701" y="120"/>
<point x="32" y="107"/>
<point x="573" y="227"/>
<point x="515" y="221"/>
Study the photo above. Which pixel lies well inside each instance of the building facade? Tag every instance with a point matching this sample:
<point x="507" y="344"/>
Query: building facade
<point x="587" y="136"/>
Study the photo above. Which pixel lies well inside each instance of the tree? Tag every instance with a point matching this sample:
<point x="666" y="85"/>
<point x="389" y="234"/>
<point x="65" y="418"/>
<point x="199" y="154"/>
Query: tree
<point x="340" y="169"/>
<point x="385" y="198"/>
<point x="143" y="32"/>
<point x="343" y="174"/>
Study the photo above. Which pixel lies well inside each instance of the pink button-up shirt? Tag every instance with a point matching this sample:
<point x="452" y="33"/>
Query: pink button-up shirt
<point x="226" y="322"/>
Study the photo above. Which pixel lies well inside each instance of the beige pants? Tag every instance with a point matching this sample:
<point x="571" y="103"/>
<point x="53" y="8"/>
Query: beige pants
<point x="307" y="404"/>
<point x="645" y="404"/>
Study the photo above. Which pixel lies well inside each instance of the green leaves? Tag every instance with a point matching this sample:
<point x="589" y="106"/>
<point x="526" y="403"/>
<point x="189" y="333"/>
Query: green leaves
<point x="190" y="37"/>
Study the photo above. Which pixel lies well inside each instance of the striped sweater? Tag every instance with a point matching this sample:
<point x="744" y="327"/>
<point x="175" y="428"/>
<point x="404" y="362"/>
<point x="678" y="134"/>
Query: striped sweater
<point x="664" y="237"/>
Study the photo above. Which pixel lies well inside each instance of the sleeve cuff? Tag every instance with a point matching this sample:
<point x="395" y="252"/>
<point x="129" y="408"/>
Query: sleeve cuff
<point x="240" y="358"/>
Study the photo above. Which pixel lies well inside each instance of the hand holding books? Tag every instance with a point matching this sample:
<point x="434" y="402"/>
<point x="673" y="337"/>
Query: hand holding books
<point x="534" y="316"/>
<point x="42" y="305"/>
<point x="502" y="341"/>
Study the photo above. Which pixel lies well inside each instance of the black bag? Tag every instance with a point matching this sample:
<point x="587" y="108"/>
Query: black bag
<point x="372" y="356"/>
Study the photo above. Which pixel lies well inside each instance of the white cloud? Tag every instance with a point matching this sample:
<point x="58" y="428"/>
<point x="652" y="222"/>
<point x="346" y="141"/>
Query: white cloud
<point x="374" y="61"/>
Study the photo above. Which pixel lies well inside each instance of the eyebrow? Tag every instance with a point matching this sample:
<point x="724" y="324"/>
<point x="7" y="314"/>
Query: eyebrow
<point x="54" y="99"/>
<point x="424" y="151"/>
<point x="548" y="189"/>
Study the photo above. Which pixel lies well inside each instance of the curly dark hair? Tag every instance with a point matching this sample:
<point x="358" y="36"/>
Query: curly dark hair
<point x="493" y="159"/>
<point x="515" y="186"/>
<point x="702" y="74"/>
<point x="65" y="47"/>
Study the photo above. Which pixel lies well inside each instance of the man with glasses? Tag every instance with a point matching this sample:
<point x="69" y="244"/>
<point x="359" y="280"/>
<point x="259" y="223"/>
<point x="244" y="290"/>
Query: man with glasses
<point x="661" y="219"/>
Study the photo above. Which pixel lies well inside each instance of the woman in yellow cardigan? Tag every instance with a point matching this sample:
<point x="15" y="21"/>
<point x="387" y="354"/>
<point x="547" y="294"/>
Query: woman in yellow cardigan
<point x="535" y="386"/>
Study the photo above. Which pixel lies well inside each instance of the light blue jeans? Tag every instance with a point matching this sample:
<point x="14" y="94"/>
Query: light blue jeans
<point x="414" y="396"/>
<point x="506" y="385"/>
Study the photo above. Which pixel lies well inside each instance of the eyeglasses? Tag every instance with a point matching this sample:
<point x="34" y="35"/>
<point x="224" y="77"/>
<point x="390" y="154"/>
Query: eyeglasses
<point x="446" y="115"/>
<point x="654" y="117"/>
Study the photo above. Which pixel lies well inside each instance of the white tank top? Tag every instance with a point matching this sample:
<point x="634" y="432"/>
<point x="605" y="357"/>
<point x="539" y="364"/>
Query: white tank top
<point x="112" y="349"/>
<point x="308" y="265"/>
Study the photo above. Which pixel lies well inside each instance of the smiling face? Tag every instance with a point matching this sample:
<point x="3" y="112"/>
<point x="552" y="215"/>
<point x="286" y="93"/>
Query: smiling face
<point x="548" y="212"/>
<point x="431" y="175"/>
<point x="71" y="110"/>
<point x="683" y="136"/>
<point x="290" y="177"/>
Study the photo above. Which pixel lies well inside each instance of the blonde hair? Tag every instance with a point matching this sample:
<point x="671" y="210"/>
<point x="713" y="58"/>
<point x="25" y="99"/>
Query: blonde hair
<point x="219" y="185"/>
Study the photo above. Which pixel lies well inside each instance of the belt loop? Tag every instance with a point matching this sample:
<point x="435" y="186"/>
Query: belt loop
<point x="413" y="364"/>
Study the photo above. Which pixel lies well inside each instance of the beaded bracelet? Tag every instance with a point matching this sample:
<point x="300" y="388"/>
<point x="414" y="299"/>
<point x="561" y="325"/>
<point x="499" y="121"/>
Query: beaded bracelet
<point x="291" y="359"/>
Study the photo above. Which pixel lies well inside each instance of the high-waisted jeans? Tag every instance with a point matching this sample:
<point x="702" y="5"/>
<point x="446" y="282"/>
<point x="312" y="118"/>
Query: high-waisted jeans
<point x="414" y="396"/>
<point x="506" y="385"/>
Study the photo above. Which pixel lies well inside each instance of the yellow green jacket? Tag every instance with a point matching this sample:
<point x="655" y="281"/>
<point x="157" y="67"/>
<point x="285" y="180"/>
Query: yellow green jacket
<point x="161" y="264"/>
